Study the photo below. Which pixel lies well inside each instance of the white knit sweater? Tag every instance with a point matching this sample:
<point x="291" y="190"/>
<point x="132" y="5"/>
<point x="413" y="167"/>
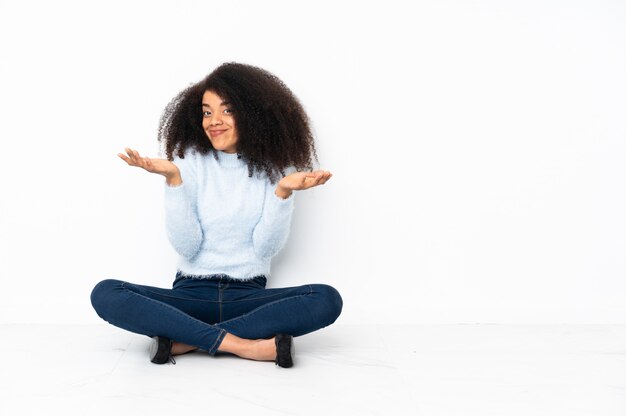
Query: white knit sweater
<point x="220" y="221"/>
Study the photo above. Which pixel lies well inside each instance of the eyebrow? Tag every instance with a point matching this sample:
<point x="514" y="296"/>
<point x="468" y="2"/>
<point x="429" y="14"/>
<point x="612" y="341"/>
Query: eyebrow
<point x="223" y="104"/>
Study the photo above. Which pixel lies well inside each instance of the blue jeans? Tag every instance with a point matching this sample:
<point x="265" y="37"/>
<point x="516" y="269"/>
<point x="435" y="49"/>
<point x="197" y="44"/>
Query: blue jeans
<point x="200" y="311"/>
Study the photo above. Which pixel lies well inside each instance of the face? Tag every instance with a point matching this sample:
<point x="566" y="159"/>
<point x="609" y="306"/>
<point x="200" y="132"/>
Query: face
<point x="218" y="122"/>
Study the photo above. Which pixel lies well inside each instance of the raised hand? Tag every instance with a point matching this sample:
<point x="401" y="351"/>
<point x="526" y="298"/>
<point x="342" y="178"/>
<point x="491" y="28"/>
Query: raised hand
<point x="299" y="181"/>
<point x="153" y="165"/>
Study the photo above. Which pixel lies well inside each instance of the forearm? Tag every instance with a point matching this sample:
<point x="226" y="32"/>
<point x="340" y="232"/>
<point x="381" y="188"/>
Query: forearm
<point x="182" y="223"/>
<point x="271" y="233"/>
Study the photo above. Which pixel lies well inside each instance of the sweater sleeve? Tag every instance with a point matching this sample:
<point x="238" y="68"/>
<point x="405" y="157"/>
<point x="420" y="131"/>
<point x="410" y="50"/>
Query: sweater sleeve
<point x="272" y="230"/>
<point x="181" y="214"/>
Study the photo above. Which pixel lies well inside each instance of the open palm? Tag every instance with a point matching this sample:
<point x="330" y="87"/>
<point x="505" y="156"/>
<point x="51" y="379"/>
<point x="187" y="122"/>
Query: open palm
<point x="161" y="166"/>
<point x="299" y="181"/>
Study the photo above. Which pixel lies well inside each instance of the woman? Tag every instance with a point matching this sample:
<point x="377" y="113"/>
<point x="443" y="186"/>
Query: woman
<point x="238" y="144"/>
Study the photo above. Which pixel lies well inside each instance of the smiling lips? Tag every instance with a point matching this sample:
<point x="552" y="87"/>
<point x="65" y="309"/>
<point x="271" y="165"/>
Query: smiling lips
<point x="215" y="133"/>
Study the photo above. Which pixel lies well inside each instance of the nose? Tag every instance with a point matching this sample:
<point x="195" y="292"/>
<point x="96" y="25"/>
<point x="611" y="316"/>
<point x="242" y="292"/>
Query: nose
<point x="216" y="120"/>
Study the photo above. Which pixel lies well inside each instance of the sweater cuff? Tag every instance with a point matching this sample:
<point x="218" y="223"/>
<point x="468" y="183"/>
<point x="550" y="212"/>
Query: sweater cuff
<point x="175" y="196"/>
<point x="168" y="186"/>
<point x="278" y="204"/>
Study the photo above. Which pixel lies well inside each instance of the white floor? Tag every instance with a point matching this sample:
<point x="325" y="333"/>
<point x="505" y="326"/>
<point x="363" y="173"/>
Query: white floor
<point x="341" y="370"/>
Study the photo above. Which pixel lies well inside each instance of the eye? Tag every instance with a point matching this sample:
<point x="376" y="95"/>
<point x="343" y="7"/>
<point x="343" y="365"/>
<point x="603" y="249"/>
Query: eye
<point x="206" y="113"/>
<point x="228" y="111"/>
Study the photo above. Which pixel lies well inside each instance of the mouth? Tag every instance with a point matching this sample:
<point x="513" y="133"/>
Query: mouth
<point x="215" y="133"/>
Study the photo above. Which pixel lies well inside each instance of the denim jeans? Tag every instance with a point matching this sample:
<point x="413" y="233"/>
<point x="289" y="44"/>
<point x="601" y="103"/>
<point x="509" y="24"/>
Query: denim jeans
<point x="200" y="311"/>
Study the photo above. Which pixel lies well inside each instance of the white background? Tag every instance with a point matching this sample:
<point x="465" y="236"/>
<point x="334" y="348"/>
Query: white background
<point x="477" y="148"/>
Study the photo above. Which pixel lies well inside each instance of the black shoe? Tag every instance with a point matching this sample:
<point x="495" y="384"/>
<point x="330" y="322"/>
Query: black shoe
<point x="161" y="350"/>
<point x="284" y="350"/>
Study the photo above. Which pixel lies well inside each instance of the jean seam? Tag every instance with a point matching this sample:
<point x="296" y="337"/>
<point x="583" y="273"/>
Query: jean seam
<point x="305" y="305"/>
<point x="264" y="306"/>
<point x="217" y="342"/>
<point x="219" y="301"/>
<point x="265" y="297"/>
<point x="175" y="297"/>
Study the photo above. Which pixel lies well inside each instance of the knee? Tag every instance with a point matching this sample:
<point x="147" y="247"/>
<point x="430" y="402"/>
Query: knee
<point x="332" y="301"/>
<point x="103" y="294"/>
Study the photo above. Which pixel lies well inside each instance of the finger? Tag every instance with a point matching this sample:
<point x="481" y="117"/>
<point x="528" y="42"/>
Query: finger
<point x="308" y="180"/>
<point x="128" y="159"/>
<point x="326" y="177"/>
<point x="313" y="181"/>
<point x="124" y="158"/>
<point x="137" y="156"/>
<point x="132" y="156"/>
<point x="141" y="161"/>
<point x="313" y="175"/>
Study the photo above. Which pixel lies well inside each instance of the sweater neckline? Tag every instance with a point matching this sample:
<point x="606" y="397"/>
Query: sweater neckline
<point x="229" y="160"/>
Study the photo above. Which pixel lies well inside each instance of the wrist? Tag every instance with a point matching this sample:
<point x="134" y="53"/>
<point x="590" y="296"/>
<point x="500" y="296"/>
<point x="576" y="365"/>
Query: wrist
<point x="173" y="179"/>
<point x="283" y="192"/>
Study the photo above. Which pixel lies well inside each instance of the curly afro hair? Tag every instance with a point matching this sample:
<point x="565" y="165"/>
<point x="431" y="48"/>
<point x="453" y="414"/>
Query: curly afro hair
<point x="273" y="129"/>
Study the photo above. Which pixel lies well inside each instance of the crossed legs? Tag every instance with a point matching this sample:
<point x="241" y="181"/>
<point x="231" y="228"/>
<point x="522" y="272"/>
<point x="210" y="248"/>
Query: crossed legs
<point x="236" y="318"/>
